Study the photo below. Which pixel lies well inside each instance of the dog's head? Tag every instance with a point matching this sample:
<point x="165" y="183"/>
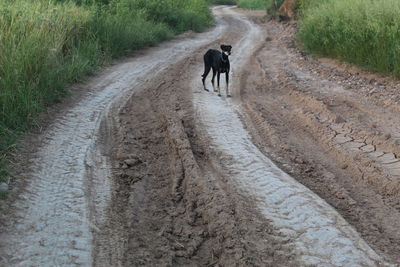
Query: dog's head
<point x="226" y="49"/>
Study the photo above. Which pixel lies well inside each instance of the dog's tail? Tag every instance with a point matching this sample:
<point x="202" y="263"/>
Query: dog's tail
<point x="206" y="70"/>
<point x="207" y="63"/>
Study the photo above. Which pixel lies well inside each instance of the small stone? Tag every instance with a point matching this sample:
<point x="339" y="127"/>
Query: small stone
<point x="132" y="162"/>
<point x="309" y="169"/>
<point x="299" y="160"/>
<point x="158" y="255"/>
<point x="3" y="188"/>
<point x="352" y="202"/>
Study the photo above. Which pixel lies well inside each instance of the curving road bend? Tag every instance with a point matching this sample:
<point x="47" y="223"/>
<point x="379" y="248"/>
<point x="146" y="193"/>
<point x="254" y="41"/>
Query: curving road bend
<point x="72" y="183"/>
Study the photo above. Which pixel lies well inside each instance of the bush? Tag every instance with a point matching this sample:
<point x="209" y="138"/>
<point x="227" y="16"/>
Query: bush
<point x="364" y="32"/>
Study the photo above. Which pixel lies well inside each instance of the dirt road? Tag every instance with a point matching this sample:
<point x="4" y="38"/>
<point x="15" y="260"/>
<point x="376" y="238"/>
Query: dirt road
<point x="298" y="168"/>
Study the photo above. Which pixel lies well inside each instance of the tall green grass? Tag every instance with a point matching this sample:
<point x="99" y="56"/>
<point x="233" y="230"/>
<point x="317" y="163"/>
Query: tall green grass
<point x="271" y="6"/>
<point x="252" y="4"/>
<point x="304" y="5"/>
<point x="364" y="32"/>
<point x="46" y="45"/>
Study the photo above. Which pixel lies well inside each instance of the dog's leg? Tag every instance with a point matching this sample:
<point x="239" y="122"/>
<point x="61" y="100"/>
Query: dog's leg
<point x="206" y="71"/>
<point x="218" y="88"/>
<point x="213" y="79"/>
<point x="227" y="84"/>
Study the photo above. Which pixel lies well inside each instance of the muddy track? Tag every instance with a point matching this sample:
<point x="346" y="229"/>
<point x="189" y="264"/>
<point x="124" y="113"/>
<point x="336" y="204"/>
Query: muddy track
<point x="149" y="169"/>
<point x="333" y="127"/>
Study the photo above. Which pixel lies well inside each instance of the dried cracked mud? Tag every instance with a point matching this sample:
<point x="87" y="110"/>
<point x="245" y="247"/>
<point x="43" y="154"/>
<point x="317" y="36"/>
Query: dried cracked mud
<point x="143" y="167"/>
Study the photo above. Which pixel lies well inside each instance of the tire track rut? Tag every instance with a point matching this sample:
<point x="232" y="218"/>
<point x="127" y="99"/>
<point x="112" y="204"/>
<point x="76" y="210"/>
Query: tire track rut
<point x="319" y="235"/>
<point x="69" y="184"/>
<point x="320" y="123"/>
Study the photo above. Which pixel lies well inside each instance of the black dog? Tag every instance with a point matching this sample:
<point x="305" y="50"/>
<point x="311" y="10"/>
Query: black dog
<point x="219" y="62"/>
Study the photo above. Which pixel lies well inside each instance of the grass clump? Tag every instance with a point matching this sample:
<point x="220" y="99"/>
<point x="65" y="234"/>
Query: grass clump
<point x="46" y="45"/>
<point x="252" y="4"/>
<point x="363" y="32"/>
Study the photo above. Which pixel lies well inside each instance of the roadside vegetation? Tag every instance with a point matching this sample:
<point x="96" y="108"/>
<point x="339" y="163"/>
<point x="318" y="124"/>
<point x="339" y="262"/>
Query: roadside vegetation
<point x="363" y="32"/>
<point x="224" y="2"/>
<point x="252" y="4"/>
<point x="46" y="45"/>
<point x="271" y="6"/>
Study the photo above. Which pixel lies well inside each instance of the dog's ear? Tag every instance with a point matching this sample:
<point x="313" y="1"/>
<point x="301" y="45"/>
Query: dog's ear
<point x="223" y="47"/>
